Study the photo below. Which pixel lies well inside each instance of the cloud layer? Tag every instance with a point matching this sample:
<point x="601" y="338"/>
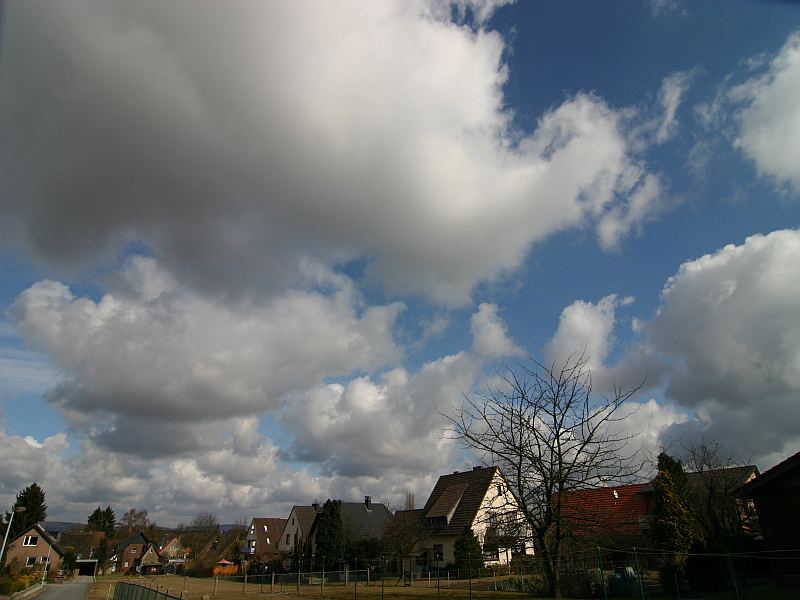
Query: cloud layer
<point x="258" y="134"/>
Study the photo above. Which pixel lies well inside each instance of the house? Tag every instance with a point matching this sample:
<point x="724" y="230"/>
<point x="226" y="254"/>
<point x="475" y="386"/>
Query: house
<point x="776" y="495"/>
<point x="298" y="526"/>
<point x="126" y="555"/>
<point x="620" y="513"/>
<point x="84" y="543"/>
<point x="35" y="549"/>
<point x="151" y="562"/>
<point x="361" y="521"/>
<point x="261" y="543"/>
<point x="171" y="549"/>
<point x="479" y="500"/>
<point x="712" y="496"/>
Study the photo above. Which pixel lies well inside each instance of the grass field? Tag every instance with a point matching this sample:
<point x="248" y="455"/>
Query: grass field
<point x="195" y="588"/>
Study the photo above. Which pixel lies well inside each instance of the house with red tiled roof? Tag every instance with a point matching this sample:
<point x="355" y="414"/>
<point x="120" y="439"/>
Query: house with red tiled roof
<point x="618" y="512"/>
<point x="261" y="543"/>
<point x="479" y="500"/>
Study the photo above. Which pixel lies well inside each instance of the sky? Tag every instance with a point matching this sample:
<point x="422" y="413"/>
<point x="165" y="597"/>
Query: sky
<point x="253" y="253"/>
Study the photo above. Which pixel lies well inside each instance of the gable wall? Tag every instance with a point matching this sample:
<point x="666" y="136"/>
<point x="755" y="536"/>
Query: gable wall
<point x="17" y="550"/>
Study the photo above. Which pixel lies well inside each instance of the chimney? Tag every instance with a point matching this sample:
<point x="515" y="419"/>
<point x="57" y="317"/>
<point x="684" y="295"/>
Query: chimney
<point x="316" y="506"/>
<point x="478" y="468"/>
<point x="368" y="502"/>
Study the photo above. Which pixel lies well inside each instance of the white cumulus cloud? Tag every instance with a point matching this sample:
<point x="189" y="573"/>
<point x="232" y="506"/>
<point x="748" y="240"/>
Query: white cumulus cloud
<point x="769" y="122"/>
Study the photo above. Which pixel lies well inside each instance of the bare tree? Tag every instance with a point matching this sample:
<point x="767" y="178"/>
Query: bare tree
<point x="135" y="519"/>
<point x="550" y="435"/>
<point x="712" y="479"/>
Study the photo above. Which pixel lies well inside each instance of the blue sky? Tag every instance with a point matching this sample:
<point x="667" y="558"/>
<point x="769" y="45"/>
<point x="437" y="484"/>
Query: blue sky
<point x="249" y="255"/>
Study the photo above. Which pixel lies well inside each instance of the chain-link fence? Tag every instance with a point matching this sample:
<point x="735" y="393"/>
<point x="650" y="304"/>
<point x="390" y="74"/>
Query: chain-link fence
<point x="594" y="572"/>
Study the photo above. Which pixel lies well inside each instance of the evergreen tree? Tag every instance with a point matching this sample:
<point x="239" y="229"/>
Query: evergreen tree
<point x="109" y="521"/>
<point x="95" y="520"/>
<point x="32" y="498"/>
<point x="672" y="528"/>
<point x="467" y="551"/>
<point x="675" y="469"/>
<point x="102" y="520"/>
<point x="330" y="532"/>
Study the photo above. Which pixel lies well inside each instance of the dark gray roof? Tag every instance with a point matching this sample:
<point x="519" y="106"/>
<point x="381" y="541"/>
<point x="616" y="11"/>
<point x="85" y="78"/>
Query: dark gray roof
<point x="729" y="478"/>
<point x="366" y="522"/>
<point x="136" y="538"/>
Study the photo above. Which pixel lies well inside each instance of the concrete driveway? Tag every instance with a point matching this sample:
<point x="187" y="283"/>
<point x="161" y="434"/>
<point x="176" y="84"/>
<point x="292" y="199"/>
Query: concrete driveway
<point x="74" y="590"/>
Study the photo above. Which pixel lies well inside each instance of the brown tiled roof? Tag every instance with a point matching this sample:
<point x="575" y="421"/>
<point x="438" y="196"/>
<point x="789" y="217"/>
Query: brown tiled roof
<point x="447" y="502"/>
<point x="474" y="485"/>
<point x="306" y="515"/>
<point x="268" y="528"/>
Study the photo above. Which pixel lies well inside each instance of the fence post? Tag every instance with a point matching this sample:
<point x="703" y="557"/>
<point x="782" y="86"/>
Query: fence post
<point x="638" y="573"/>
<point x="602" y="574"/>
<point x="244" y="584"/>
<point x="216" y="582"/>
<point x="272" y="583"/>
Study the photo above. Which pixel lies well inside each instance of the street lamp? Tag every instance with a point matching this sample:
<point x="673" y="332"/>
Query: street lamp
<point x="17" y="509"/>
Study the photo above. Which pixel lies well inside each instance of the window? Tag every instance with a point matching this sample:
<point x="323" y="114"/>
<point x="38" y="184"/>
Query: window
<point x="265" y="529"/>
<point x="500" y="490"/>
<point x="30" y="561"/>
<point x="438" y="552"/>
<point x="133" y="550"/>
<point x="126" y="564"/>
<point x="252" y="543"/>
<point x="30" y="540"/>
<point x="292" y="521"/>
<point x="268" y="540"/>
<point x="287" y="538"/>
<point x="44" y="559"/>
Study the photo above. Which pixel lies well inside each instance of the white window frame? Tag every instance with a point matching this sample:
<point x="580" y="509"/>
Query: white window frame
<point x="30" y="561"/>
<point x="30" y="540"/>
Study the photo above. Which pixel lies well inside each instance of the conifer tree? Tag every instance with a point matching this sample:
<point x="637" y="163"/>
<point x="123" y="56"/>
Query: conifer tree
<point x="32" y="498"/>
<point x="673" y="529"/>
<point x="330" y="532"/>
<point x="467" y="550"/>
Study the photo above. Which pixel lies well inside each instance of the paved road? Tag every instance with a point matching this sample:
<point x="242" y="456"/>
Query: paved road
<point x="76" y="590"/>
